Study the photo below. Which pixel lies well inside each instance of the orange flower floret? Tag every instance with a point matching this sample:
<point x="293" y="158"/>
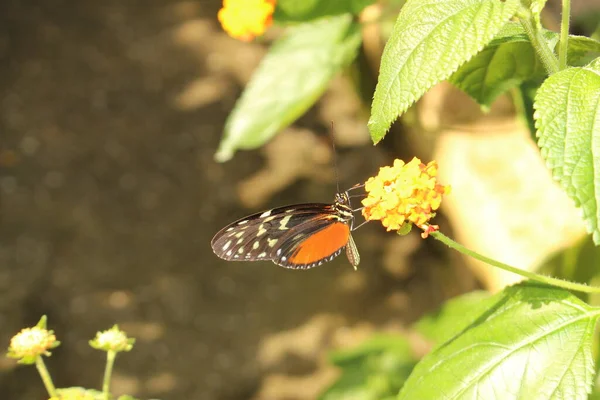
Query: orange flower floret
<point x="404" y="193"/>
<point x="246" y="19"/>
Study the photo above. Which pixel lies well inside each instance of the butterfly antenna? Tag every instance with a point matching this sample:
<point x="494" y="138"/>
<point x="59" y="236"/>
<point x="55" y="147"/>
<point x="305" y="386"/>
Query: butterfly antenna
<point x="337" y="176"/>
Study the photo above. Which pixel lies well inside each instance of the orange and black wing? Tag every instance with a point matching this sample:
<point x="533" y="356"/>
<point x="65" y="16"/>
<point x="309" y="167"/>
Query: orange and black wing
<point x="298" y="236"/>
<point x="313" y="243"/>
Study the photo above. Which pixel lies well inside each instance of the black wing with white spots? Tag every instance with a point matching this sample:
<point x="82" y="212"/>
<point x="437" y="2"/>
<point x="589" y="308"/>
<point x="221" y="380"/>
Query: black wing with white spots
<point x="261" y="235"/>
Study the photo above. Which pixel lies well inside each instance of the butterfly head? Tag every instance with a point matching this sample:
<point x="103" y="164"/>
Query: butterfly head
<point x="343" y="207"/>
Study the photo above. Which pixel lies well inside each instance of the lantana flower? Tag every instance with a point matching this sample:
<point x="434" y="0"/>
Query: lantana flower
<point x="246" y="19"/>
<point x="404" y="194"/>
<point x="30" y="343"/>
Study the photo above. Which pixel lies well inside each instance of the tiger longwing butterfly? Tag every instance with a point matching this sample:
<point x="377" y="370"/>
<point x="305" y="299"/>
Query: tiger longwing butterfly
<point x="300" y="236"/>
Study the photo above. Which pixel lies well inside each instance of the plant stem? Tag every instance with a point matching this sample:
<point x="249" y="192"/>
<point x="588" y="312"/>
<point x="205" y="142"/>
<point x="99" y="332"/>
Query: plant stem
<point x="45" y="375"/>
<point x="564" y="35"/>
<point x="579" y="287"/>
<point x="110" y="360"/>
<point x="539" y="43"/>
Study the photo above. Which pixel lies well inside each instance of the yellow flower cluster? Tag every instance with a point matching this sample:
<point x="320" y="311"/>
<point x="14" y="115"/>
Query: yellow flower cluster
<point x="404" y="193"/>
<point x="32" y="342"/>
<point x="246" y="19"/>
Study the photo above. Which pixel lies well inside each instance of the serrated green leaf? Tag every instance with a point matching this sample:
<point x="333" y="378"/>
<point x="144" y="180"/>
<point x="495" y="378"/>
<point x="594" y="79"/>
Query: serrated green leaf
<point x="533" y="343"/>
<point x="430" y="40"/>
<point x="375" y="370"/>
<point x="454" y="316"/>
<point x="568" y="127"/>
<point x="306" y="10"/>
<point x="524" y="104"/>
<point x="289" y="80"/>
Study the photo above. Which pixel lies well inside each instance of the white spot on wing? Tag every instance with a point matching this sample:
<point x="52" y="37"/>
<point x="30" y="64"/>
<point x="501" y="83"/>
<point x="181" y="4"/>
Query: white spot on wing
<point x="239" y="234"/>
<point x="226" y="246"/>
<point x="278" y="251"/>
<point x="241" y="250"/>
<point x="255" y="245"/>
<point x="243" y="222"/>
<point x="271" y="218"/>
<point x="229" y="229"/>
<point x="272" y="242"/>
<point x="229" y="253"/>
<point x="283" y="223"/>
<point x="240" y="240"/>
<point x="283" y="258"/>
<point x="261" y="230"/>
<point x="265" y="214"/>
<point x="263" y="254"/>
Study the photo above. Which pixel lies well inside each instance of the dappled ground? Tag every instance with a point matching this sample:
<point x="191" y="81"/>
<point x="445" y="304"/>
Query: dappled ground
<point x="110" y="115"/>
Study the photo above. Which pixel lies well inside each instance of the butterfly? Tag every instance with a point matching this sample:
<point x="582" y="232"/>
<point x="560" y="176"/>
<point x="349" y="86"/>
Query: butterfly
<point x="300" y="236"/>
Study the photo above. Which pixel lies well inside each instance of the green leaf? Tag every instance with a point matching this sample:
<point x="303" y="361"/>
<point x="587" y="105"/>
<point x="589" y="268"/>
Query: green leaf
<point x="430" y="40"/>
<point x="289" y="80"/>
<point x="568" y="126"/>
<point x="506" y="62"/>
<point x="306" y="10"/>
<point x="511" y="32"/>
<point x="454" y="316"/>
<point x="580" y="47"/>
<point x="533" y="343"/>
<point x="497" y="69"/>
<point x="509" y="60"/>
<point x="524" y="103"/>
<point x="375" y="370"/>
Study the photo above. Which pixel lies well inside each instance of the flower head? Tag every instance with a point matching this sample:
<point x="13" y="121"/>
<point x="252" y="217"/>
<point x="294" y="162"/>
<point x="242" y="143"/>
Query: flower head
<point x="246" y="19"/>
<point x="113" y="339"/>
<point x="31" y="343"/>
<point x="404" y="193"/>
<point x="77" y="393"/>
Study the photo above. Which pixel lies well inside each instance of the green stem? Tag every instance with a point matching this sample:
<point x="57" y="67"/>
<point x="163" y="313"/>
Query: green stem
<point x="41" y="367"/>
<point x="564" y="35"/>
<point x="579" y="287"/>
<point x="110" y="361"/>
<point x="539" y="43"/>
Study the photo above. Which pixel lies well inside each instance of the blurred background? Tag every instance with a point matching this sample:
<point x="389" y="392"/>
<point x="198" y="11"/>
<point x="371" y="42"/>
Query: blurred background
<point x="110" y="115"/>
